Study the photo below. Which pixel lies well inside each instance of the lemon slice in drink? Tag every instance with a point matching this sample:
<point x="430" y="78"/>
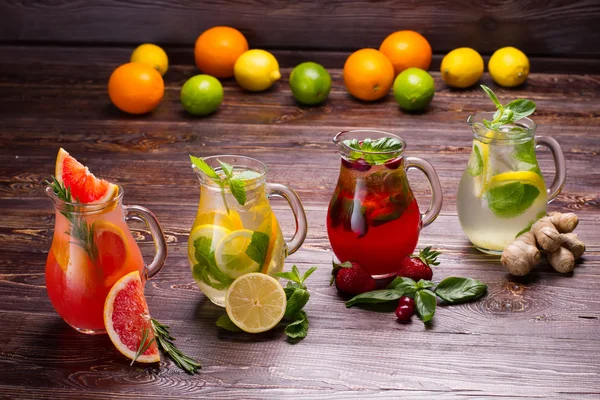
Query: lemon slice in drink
<point x="519" y="176"/>
<point x="213" y="232"/>
<point x="255" y="302"/>
<point x="231" y="256"/>
<point x="483" y="178"/>
<point x="226" y="220"/>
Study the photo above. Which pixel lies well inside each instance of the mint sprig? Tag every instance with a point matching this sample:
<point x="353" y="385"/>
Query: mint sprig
<point x="236" y="185"/>
<point x="509" y="113"/>
<point x="366" y="146"/>
<point x="452" y="290"/>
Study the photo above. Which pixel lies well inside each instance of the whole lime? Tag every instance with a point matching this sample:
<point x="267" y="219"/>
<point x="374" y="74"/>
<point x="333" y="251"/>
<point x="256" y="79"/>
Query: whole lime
<point x="201" y="95"/>
<point x="310" y="83"/>
<point x="414" y="89"/>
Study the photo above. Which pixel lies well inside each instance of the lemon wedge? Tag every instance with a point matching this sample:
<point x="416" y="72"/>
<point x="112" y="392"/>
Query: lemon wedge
<point x="519" y="176"/>
<point x="231" y="256"/>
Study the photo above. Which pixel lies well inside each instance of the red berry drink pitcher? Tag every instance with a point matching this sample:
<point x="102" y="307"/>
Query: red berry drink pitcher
<point x="373" y="217"/>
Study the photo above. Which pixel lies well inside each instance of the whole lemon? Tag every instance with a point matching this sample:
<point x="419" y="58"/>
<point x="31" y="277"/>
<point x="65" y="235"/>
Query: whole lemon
<point x="462" y="67"/>
<point x="509" y="67"/>
<point x="256" y="70"/>
<point x="152" y="55"/>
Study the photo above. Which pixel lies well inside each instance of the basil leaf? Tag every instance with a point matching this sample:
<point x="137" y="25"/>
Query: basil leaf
<point x="404" y="285"/>
<point x="520" y="108"/>
<point x="511" y="199"/>
<point x="475" y="165"/>
<point x="299" y="328"/>
<point x="257" y="249"/>
<point x="455" y="290"/>
<point x="423" y="284"/>
<point x="492" y="96"/>
<point x="425" y="303"/>
<point x="226" y="323"/>
<point x="238" y="190"/>
<point x="296" y="302"/>
<point x="204" y="167"/>
<point x="227" y="168"/>
<point x="375" y="296"/>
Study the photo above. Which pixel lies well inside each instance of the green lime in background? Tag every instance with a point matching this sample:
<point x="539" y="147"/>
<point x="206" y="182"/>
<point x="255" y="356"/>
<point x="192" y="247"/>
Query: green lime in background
<point x="310" y="83"/>
<point x="201" y="95"/>
<point x="414" y="89"/>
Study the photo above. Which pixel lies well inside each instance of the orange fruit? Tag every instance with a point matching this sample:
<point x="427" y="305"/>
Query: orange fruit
<point x="136" y="88"/>
<point x="217" y="49"/>
<point x="368" y="74"/>
<point x="407" y="49"/>
<point x="84" y="186"/>
<point x="126" y="318"/>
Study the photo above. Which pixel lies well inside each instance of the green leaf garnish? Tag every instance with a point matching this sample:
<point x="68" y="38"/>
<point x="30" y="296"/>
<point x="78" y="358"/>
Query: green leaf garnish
<point x="375" y="296"/>
<point x="475" y="166"/>
<point x="511" y="199"/>
<point x="425" y="304"/>
<point x="226" y="323"/>
<point x="299" y="328"/>
<point x="509" y="113"/>
<point x="238" y="190"/>
<point x="236" y="185"/>
<point x="206" y="270"/>
<point x="204" y="167"/>
<point x="455" y="290"/>
<point x="366" y="147"/>
<point x="257" y="249"/>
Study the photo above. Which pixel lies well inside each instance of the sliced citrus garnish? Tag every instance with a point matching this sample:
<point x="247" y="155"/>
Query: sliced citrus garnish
<point x="112" y="247"/>
<point x="84" y="186"/>
<point x="214" y="233"/>
<point x="126" y="319"/>
<point x="229" y="221"/>
<point x="482" y="180"/>
<point x="519" y="176"/>
<point x="231" y="256"/>
<point x="255" y="302"/>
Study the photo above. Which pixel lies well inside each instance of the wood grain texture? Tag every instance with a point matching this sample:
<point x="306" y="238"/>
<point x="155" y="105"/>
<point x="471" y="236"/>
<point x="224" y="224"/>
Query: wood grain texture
<point x="566" y="28"/>
<point x="532" y="338"/>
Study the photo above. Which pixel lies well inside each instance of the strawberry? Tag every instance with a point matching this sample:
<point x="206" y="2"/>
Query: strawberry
<point x="418" y="267"/>
<point x="352" y="278"/>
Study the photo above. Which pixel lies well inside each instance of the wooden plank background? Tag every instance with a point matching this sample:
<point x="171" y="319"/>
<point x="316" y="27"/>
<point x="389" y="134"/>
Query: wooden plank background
<point x="559" y="28"/>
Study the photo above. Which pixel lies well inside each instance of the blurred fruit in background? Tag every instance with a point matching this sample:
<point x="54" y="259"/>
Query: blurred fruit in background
<point x="509" y="67"/>
<point x="201" y="95"/>
<point x="368" y="74"/>
<point x="217" y="50"/>
<point x="462" y="67"/>
<point x="407" y="49"/>
<point x="310" y="83"/>
<point x="152" y="55"/>
<point x="256" y="70"/>
<point x="136" y="88"/>
<point x="414" y="89"/>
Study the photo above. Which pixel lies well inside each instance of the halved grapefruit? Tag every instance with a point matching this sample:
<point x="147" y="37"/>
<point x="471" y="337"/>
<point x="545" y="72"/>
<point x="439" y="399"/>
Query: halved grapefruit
<point x="126" y="318"/>
<point x="84" y="186"/>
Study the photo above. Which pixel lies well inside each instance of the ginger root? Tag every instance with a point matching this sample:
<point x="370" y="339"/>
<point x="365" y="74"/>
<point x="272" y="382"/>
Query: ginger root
<point x="551" y="233"/>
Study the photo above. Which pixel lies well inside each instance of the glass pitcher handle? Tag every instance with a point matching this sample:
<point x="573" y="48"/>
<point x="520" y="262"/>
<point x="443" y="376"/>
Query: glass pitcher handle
<point x="139" y="213"/>
<point x="434" y="183"/>
<point x="560" y="176"/>
<point x="282" y="191"/>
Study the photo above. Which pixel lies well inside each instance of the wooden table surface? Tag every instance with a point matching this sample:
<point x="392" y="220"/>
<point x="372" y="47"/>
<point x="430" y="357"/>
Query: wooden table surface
<point x="535" y="337"/>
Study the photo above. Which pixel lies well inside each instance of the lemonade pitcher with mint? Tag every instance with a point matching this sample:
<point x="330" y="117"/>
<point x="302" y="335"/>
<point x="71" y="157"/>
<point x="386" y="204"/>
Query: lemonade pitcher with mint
<point x="502" y="190"/>
<point x="235" y="231"/>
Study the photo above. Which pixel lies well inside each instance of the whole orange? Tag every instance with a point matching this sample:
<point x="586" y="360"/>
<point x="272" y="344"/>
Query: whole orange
<point x="368" y="74"/>
<point x="407" y="49"/>
<point x="136" y="88"/>
<point x="217" y="50"/>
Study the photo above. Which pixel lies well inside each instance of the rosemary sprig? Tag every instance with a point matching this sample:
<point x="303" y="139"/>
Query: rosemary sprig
<point x="81" y="232"/>
<point x="143" y="345"/>
<point x="165" y="342"/>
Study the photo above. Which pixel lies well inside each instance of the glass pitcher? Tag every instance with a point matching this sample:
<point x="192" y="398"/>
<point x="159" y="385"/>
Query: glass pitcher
<point x="230" y="239"/>
<point x="91" y="249"/>
<point x="502" y="190"/>
<point x="373" y="217"/>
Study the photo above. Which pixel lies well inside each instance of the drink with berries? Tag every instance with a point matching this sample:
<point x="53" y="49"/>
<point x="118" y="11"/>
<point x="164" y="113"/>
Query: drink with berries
<point x="373" y="216"/>
<point x="92" y="246"/>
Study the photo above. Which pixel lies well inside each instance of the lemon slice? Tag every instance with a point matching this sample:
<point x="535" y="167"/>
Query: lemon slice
<point x="519" y="176"/>
<point x="214" y="232"/>
<point x="231" y="256"/>
<point x="229" y="221"/>
<point x="483" y="178"/>
<point x="255" y="302"/>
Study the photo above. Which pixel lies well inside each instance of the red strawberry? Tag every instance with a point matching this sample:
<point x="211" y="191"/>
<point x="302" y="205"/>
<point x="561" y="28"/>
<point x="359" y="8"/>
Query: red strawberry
<point x="417" y="268"/>
<point x="352" y="278"/>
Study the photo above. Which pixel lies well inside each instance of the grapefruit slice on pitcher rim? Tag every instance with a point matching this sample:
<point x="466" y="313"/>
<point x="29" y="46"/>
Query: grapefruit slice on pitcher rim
<point x="127" y="320"/>
<point x="84" y="186"/>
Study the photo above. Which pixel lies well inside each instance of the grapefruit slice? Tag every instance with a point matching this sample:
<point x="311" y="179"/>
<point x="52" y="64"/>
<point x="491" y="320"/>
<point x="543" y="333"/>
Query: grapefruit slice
<point x="112" y="248"/>
<point x="84" y="186"/>
<point x="126" y="319"/>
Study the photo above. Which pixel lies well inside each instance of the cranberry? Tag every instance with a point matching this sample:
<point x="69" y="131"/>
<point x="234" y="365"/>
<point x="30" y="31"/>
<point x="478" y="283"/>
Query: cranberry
<point x="404" y="312"/>
<point x="394" y="164"/>
<point x="359" y="165"/>
<point x="405" y="300"/>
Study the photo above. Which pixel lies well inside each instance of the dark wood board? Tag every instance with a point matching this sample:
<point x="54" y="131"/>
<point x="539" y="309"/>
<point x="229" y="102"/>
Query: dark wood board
<point x="533" y="337"/>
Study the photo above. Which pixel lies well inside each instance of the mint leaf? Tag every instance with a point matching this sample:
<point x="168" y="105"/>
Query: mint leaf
<point x="226" y="323"/>
<point x="257" y="249"/>
<point x="299" y="328"/>
<point x="238" y="190"/>
<point x="455" y="290"/>
<point x="525" y="152"/>
<point x="520" y="108"/>
<point x="204" y="167"/>
<point x="289" y="275"/>
<point x="492" y="96"/>
<point x="206" y="266"/>
<point x="227" y="168"/>
<point x="511" y="199"/>
<point x="375" y="296"/>
<point x="425" y="303"/>
<point x="308" y="273"/>
<point x="247" y="175"/>
<point x="540" y="215"/>
<point x="513" y="111"/>
<point x="475" y="165"/>
<point x="295" y="302"/>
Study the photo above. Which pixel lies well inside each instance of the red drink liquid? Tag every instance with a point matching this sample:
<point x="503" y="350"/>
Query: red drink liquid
<point x="373" y="217"/>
